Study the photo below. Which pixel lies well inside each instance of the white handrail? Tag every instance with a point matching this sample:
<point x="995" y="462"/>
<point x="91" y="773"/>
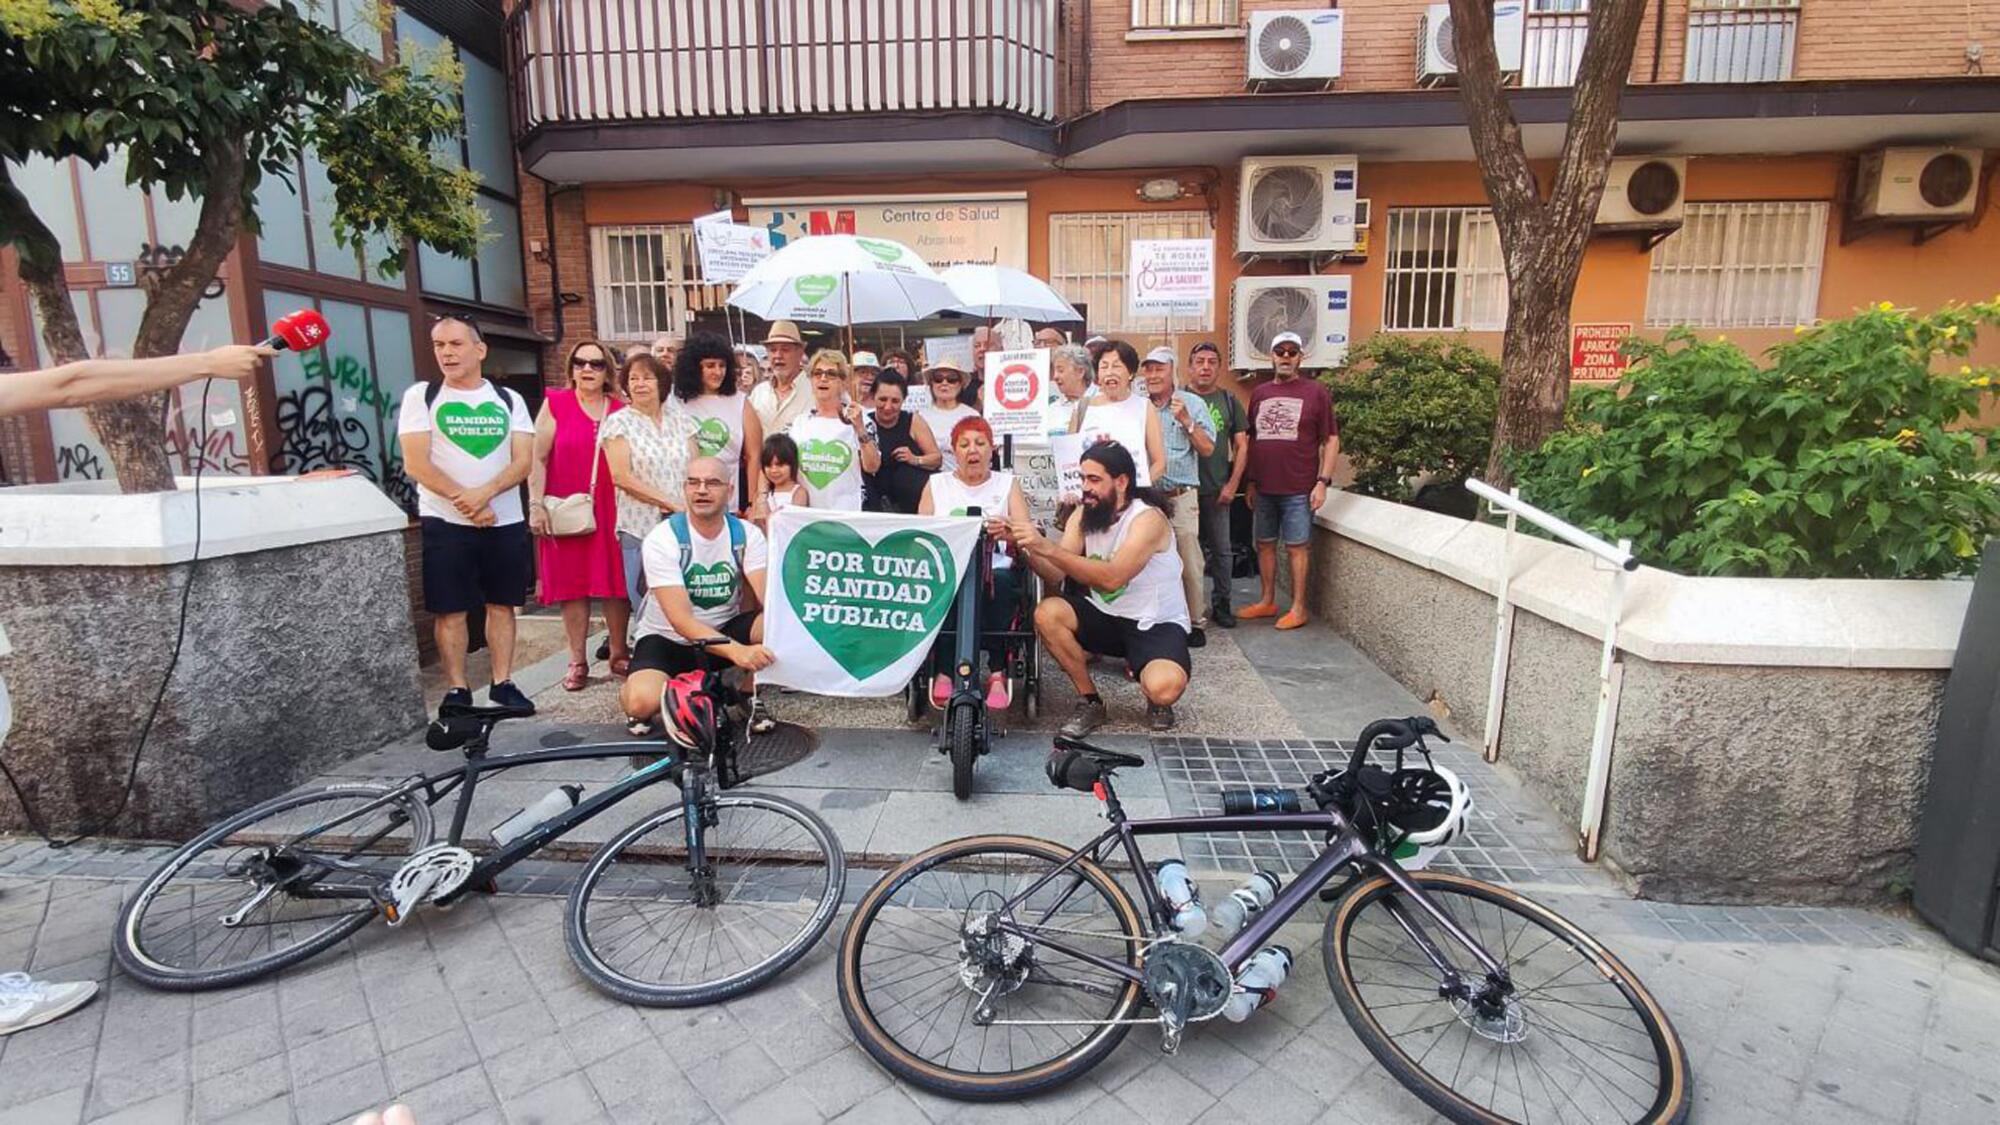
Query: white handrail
<point x="1553" y="524"/>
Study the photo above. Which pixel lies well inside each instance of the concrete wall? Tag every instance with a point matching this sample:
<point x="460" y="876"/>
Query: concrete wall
<point x="1773" y="737"/>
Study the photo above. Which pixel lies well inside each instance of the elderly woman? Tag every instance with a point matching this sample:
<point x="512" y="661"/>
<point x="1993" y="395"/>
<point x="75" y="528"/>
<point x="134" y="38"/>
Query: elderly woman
<point x="706" y="387"/>
<point x="1115" y="413"/>
<point x="974" y="484"/>
<point x="647" y="446"/>
<point x="835" y="445"/>
<point x="951" y="402"/>
<point x="909" y="451"/>
<point x="1069" y="370"/>
<point x="569" y="461"/>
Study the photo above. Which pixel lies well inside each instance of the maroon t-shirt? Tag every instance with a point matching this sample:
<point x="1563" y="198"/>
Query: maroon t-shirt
<point x="1288" y="423"/>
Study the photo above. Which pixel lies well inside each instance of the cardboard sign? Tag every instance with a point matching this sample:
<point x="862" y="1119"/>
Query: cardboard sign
<point x="1593" y="352"/>
<point x="1016" y="384"/>
<point x="1068" y="449"/>
<point x="1170" y="275"/>
<point x="727" y="249"/>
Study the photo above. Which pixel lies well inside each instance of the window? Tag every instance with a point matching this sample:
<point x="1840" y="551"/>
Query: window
<point x="1552" y="41"/>
<point x="1444" y="270"/>
<point x="648" y="281"/>
<point x="1087" y="258"/>
<point x="1739" y="265"/>
<point x="1183" y="13"/>
<point x="1741" y="40"/>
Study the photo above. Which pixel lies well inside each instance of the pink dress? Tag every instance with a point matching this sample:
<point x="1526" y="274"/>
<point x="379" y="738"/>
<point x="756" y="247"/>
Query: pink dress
<point x="580" y="566"/>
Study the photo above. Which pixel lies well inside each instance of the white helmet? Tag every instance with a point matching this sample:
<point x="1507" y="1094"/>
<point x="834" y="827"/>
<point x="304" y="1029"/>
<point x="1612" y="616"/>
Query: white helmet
<point x="1428" y="807"/>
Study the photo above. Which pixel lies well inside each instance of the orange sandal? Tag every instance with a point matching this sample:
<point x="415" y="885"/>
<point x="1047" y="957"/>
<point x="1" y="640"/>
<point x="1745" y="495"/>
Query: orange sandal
<point x="579" y="675"/>
<point x="1253" y="612"/>
<point x="1293" y="620"/>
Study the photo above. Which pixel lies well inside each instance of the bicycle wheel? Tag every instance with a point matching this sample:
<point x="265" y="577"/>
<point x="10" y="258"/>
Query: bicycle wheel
<point x="644" y="929"/>
<point x="1578" y="1039"/>
<point x="961" y="734"/>
<point x="238" y="901"/>
<point x="923" y="954"/>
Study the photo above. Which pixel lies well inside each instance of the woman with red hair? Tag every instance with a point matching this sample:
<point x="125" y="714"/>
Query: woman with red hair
<point x="998" y="498"/>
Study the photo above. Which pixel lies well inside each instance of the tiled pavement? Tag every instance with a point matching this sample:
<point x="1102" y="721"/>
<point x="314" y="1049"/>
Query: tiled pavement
<point x="1789" y="1014"/>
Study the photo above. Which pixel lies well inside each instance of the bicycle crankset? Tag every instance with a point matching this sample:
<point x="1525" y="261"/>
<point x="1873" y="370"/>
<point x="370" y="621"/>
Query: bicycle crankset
<point x="426" y="876"/>
<point x="1187" y="983"/>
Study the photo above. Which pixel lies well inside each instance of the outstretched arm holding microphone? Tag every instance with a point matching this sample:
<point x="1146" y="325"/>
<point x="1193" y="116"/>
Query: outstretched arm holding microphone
<point x="101" y="380"/>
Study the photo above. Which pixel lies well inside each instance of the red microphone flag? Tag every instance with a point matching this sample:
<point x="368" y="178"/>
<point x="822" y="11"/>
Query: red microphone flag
<point x="301" y="331"/>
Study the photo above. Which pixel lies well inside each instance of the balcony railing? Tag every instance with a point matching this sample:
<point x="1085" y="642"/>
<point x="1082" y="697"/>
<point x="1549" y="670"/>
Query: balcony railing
<point x="1150" y="15"/>
<point x="1552" y="41"/>
<point x="1741" y="40"/>
<point x="662" y="60"/>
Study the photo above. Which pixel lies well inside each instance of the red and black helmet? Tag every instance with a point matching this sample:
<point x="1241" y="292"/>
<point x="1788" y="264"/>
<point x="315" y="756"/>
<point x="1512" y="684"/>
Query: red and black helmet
<point x="688" y="711"/>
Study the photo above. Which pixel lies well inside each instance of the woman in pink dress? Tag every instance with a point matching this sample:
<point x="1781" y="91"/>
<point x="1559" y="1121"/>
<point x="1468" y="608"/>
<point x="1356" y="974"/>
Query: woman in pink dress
<point x="569" y="459"/>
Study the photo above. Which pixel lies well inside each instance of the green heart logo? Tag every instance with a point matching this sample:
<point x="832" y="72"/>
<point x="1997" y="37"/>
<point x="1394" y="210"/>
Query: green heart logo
<point x="868" y="606"/>
<point x="712" y="436"/>
<point x="479" y="430"/>
<point x="711" y="586"/>
<point x="814" y="288"/>
<point x="885" y="251"/>
<point x="1108" y="596"/>
<point x="823" y="460"/>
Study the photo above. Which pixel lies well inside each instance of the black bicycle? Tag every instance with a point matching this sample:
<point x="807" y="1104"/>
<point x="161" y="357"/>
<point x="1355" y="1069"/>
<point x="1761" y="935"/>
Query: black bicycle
<point x="996" y="967"/>
<point x="705" y="899"/>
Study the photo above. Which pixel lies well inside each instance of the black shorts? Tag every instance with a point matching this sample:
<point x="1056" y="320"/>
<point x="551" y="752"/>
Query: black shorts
<point x="469" y="567"/>
<point x="656" y="653"/>
<point x="1109" y="635"/>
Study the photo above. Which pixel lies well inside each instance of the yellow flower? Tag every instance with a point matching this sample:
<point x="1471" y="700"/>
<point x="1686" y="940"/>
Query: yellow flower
<point x="1983" y="381"/>
<point x="1906" y="437"/>
<point x="1798" y="329"/>
<point x="1951" y="331"/>
<point x="1965" y="369"/>
<point x="1589" y="469"/>
<point x="1886" y="307"/>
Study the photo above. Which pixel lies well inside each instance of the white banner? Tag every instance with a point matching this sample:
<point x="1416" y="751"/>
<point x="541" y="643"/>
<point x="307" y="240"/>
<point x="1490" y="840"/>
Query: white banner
<point x="1016" y="385"/>
<point x="1171" y="275"/>
<point x="945" y="230"/>
<point x="728" y="250"/>
<point x="854" y="600"/>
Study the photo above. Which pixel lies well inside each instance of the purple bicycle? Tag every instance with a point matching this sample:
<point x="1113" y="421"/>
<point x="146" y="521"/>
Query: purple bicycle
<point x="997" y="967"/>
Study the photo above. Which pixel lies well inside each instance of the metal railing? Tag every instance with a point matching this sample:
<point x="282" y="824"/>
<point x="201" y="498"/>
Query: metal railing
<point x="1149" y="15"/>
<point x="648" y="60"/>
<point x="1552" y="46"/>
<point x="1610" y="671"/>
<point x="1749" y="42"/>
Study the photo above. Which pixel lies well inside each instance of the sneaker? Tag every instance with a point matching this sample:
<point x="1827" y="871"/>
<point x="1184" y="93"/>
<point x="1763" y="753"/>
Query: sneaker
<point x="761" y="721"/>
<point x="1086" y="718"/>
<point x="999" y="693"/>
<point x="457" y="699"/>
<point x="940" y="690"/>
<point x="506" y="694"/>
<point x="604" y="649"/>
<point x="26" y="1003"/>
<point x="1222" y="617"/>
<point x="1160" y="716"/>
<point x="1197" y="638"/>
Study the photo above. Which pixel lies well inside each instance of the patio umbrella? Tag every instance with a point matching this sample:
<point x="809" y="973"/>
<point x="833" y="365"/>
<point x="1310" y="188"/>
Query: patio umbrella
<point x="1001" y="292"/>
<point x="842" y="279"/>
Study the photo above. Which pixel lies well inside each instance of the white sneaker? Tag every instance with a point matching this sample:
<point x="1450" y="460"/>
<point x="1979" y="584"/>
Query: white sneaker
<point x="26" y="1003"/>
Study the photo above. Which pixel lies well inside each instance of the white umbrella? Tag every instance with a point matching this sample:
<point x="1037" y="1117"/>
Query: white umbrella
<point x="842" y="279"/>
<point x="999" y="292"/>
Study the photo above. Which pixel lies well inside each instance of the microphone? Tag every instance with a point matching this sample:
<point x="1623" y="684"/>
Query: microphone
<point x="300" y="331"/>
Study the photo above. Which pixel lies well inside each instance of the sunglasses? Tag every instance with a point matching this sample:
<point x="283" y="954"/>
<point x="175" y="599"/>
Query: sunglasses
<point x="944" y="378"/>
<point x="592" y="364"/>
<point x="824" y="374"/>
<point x="1287" y="351"/>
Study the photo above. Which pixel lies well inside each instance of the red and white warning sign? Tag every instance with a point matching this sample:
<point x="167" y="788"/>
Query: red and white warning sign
<point x="1594" y="354"/>
<point x="1016" y="383"/>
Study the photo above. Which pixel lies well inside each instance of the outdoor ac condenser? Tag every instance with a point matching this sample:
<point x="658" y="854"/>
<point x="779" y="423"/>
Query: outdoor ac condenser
<point x="1917" y="183"/>
<point x="1296" y="205"/>
<point x="1315" y="306"/>
<point x="1294" y="46"/>
<point x="1437" y="56"/>
<point x="1643" y="193"/>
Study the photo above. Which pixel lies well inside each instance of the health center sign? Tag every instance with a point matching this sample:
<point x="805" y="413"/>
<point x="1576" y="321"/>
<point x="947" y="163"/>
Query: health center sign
<point x="989" y="228"/>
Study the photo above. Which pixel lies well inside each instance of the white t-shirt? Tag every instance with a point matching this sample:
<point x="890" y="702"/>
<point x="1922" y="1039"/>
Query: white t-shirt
<point x="1124" y="423"/>
<point x="1153" y="596"/>
<point x="719" y="430"/>
<point x="717" y="591"/>
<point x="941" y="420"/>
<point x="829" y="462"/>
<point x="778" y="411"/>
<point x="470" y="435"/>
<point x="951" y="496"/>
<point x="659" y="458"/>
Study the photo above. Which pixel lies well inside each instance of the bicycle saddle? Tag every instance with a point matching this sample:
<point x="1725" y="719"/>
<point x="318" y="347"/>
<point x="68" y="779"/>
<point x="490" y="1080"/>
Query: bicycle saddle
<point x="459" y="723"/>
<point x="1076" y="764"/>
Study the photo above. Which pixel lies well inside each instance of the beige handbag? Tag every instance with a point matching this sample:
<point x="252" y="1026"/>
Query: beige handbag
<point x="576" y="514"/>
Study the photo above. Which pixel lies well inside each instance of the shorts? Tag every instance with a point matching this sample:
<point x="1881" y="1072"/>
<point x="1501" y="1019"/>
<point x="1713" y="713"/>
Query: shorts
<point x="1109" y="635"/>
<point x="656" y="653"/>
<point x="1287" y="517"/>
<point x="469" y="567"/>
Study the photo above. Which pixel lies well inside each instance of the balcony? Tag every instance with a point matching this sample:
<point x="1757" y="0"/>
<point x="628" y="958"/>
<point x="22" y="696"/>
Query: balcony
<point x="612" y="77"/>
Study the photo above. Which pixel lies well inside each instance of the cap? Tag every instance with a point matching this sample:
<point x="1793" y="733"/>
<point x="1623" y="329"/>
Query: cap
<point x="1160" y="355"/>
<point x="1204" y="346"/>
<point x="1286" y="338"/>
<point x="865" y="359"/>
<point x="784" y="332"/>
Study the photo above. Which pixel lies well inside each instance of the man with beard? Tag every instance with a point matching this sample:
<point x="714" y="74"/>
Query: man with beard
<point x="784" y="396"/>
<point x="1119" y="549"/>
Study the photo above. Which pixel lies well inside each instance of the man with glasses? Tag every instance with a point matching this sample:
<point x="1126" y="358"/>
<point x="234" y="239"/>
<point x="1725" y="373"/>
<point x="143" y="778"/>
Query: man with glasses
<point x="1294" y="441"/>
<point x="1189" y="435"/>
<point x="784" y="396"/>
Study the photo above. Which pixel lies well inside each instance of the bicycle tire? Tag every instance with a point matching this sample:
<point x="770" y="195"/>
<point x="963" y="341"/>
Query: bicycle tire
<point x="961" y="1085"/>
<point x="129" y="947"/>
<point x="961" y="728"/>
<point x="1675" y="1084"/>
<point x="597" y="968"/>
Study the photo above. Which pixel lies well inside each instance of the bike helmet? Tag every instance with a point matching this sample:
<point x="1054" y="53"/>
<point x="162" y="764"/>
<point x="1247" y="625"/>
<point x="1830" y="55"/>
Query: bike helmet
<point x="1427" y="806"/>
<point x="688" y="711"/>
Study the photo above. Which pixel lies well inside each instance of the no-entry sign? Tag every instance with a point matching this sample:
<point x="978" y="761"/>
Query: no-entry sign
<point x="1594" y="354"/>
<point x="1016" y="383"/>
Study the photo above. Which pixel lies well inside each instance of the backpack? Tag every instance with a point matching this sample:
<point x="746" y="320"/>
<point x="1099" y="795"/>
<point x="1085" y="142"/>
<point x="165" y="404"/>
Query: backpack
<point x="679" y="522"/>
<point x="507" y="396"/>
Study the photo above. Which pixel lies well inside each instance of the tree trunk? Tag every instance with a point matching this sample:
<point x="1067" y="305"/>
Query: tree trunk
<point x="1534" y="378"/>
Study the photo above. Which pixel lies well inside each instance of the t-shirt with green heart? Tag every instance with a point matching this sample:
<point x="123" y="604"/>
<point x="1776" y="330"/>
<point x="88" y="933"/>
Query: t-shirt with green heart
<point x="719" y="430"/>
<point x="470" y="432"/>
<point x="712" y="583"/>
<point x="829" y="462"/>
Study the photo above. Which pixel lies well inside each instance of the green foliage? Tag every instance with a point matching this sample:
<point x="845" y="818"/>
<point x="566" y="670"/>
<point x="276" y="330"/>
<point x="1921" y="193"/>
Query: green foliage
<point x="1414" y="407"/>
<point x="175" y="82"/>
<point x="1847" y="455"/>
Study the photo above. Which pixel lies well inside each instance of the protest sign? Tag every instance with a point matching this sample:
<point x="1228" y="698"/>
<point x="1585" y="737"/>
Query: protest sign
<point x="1171" y="275"/>
<point x="1068" y="449"/>
<point x="727" y="249"/>
<point x="855" y="599"/>
<point x="1016" y="385"/>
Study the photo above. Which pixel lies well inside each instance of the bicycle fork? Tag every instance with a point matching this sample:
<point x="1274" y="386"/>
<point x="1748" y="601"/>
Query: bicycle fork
<point x="1489" y="1001"/>
<point x="698" y="812"/>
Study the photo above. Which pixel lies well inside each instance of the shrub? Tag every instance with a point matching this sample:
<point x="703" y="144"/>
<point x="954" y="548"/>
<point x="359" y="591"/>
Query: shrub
<point x="1848" y="454"/>
<point x="1414" y="411"/>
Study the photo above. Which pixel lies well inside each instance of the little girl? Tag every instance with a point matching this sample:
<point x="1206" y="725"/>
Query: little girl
<point x="780" y="459"/>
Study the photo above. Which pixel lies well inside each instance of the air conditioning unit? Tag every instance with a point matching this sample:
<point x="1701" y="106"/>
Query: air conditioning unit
<point x="1917" y="183"/>
<point x="1314" y="306"/>
<point x="1437" y="55"/>
<point x="1292" y="46"/>
<point x="1643" y="193"/>
<point x="1296" y="205"/>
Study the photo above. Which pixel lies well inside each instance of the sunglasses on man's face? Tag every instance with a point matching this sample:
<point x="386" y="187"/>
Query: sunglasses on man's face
<point x="1286" y="352"/>
<point x="590" y="364"/>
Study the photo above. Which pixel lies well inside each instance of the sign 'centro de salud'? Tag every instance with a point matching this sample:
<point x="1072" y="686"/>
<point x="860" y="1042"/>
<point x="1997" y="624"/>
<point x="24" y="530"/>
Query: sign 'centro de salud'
<point x="944" y="230"/>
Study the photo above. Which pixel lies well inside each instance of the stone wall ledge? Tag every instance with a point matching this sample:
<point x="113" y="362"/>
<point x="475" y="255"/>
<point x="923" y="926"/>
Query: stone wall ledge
<point x="1678" y="619"/>
<point x="93" y="524"/>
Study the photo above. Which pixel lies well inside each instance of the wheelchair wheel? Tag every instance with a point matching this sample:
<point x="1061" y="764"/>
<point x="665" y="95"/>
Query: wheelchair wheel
<point x="913" y="700"/>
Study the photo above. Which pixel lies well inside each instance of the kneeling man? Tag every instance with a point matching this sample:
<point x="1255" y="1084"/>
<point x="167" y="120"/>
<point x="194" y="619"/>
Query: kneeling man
<point x="1119" y="549"/>
<point x="705" y="570"/>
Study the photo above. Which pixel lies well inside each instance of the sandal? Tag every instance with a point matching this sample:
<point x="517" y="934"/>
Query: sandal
<point x="621" y="666"/>
<point x="579" y="675"/>
<point x="761" y="721"/>
<point x="640" y="728"/>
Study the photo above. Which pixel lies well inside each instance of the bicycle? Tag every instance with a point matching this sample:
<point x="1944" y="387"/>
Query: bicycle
<point x="997" y="967"/>
<point x="700" y="901"/>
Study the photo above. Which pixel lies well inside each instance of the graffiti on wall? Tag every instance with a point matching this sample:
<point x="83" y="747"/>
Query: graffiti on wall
<point x="78" y="462"/>
<point x="340" y="419"/>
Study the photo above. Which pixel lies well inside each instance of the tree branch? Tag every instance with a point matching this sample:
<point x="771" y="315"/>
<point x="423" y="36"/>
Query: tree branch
<point x="42" y="272"/>
<point x="1496" y="133"/>
<point x="179" y="290"/>
<point x="1593" y="107"/>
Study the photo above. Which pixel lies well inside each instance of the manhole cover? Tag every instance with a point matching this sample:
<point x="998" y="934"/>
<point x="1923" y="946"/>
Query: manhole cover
<point x="786" y="745"/>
